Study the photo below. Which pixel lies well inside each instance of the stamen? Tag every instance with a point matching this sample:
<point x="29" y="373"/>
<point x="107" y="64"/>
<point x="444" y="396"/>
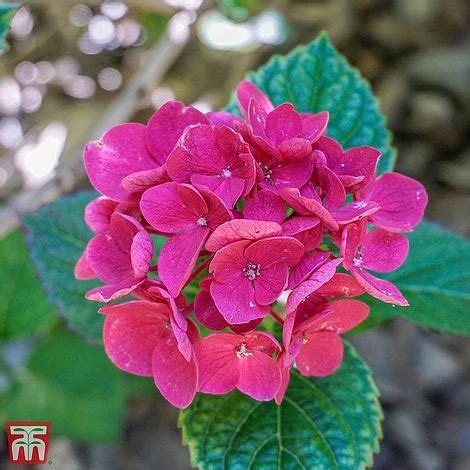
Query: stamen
<point x="226" y="173"/>
<point x="202" y="221"/>
<point x="252" y="271"/>
<point x="242" y="351"/>
<point x="267" y="174"/>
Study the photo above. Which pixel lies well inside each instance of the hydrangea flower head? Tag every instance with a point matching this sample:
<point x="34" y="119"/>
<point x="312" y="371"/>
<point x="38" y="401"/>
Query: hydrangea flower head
<point x="264" y="219"/>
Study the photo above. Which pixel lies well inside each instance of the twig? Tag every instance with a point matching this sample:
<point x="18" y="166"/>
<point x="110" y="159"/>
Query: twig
<point x="71" y="175"/>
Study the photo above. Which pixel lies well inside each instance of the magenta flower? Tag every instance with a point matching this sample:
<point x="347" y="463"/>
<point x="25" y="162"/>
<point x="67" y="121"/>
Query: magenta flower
<point x="216" y="158"/>
<point x="138" y="339"/>
<point x="120" y="257"/>
<point x="311" y="338"/>
<point x="227" y="361"/>
<point x="249" y="276"/>
<point x="402" y="201"/>
<point x="331" y="219"/>
<point x="189" y="214"/>
<point x="281" y="132"/>
<point x="255" y="211"/>
<point x="207" y="313"/>
<point x="354" y="167"/>
<point x="376" y="250"/>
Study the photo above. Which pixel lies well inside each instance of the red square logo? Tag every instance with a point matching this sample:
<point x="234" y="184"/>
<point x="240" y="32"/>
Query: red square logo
<point x="28" y="441"/>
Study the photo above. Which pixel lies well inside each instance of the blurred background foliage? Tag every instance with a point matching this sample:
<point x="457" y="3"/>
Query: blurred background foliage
<point x="71" y="69"/>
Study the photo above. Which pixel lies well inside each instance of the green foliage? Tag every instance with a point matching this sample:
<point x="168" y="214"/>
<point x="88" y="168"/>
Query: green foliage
<point x="6" y="14"/>
<point x="329" y="423"/>
<point x="436" y="281"/>
<point x="72" y="384"/>
<point x="24" y="308"/>
<point x="316" y="78"/>
<point x="57" y="235"/>
<point x="239" y="10"/>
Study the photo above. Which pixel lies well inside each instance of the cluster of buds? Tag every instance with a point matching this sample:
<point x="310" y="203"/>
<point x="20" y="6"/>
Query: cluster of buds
<point x="271" y="220"/>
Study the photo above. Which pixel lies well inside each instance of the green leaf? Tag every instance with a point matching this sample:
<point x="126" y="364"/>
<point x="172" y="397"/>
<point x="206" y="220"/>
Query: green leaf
<point x="57" y="235"/>
<point x="24" y="308"/>
<point x="436" y="281"/>
<point x="316" y="77"/>
<point x="328" y="423"/>
<point x="73" y="385"/>
<point x="6" y="14"/>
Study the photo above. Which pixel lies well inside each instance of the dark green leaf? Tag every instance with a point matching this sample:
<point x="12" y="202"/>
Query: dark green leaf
<point x="329" y="423"/>
<point x="316" y="78"/>
<point x="24" y="308"/>
<point x="6" y="14"/>
<point x="72" y="384"/>
<point x="436" y="281"/>
<point x="56" y="235"/>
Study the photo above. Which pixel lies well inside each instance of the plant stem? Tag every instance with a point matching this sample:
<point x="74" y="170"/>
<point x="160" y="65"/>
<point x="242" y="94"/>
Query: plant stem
<point x="277" y="317"/>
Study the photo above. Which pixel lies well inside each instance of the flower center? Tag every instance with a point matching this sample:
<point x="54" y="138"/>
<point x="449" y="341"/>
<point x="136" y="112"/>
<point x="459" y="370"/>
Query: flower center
<point x="226" y="173"/>
<point x="252" y="271"/>
<point x="202" y="221"/>
<point x="242" y="351"/>
<point x="267" y="174"/>
<point x="358" y="259"/>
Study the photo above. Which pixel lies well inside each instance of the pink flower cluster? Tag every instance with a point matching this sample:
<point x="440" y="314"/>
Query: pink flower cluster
<point x="260" y="213"/>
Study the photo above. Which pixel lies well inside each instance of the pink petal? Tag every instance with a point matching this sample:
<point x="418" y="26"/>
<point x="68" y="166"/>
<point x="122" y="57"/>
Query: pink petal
<point x="207" y="313"/>
<point x="111" y="292"/>
<point x="333" y="190"/>
<point x="98" y="214"/>
<point x="236" y="302"/>
<point x="228" y="190"/>
<point x="222" y="118"/>
<point x="82" y="269"/>
<point x="338" y="316"/>
<point x="384" y="251"/>
<point x="175" y="377"/>
<point x="171" y="207"/>
<point x="228" y="263"/>
<point x="379" y="288"/>
<point x="120" y="152"/>
<point x="261" y="341"/>
<point x="355" y="211"/>
<point x="247" y="91"/>
<point x="341" y="285"/>
<point x="299" y="223"/>
<point x="290" y="174"/>
<point x="260" y="376"/>
<point x="109" y="254"/>
<point x="265" y="205"/>
<point x="285" y="379"/>
<point x="241" y="229"/>
<point x="402" y="202"/>
<point x="217" y="212"/>
<point x="350" y="240"/>
<point x="178" y="257"/>
<point x="321" y="355"/>
<point x="270" y="284"/>
<point x="314" y="125"/>
<point x="167" y="125"/>
<point x="130" y="333"/>
<point x="275" y="250"/>
<point x="295" y="148"/>
<point x="332" y="150"/>
<point x="142" y="180"/>
<point x="283" y="123"/>
<point x="141" y="253"/>
<point x="217" y="362"/>
<point x="306" y="266"/>
<point x="322" y="275"/>
<point x="358" y="162"/>
<point x="306" y="206"/>
<point x="218" y="153"/>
